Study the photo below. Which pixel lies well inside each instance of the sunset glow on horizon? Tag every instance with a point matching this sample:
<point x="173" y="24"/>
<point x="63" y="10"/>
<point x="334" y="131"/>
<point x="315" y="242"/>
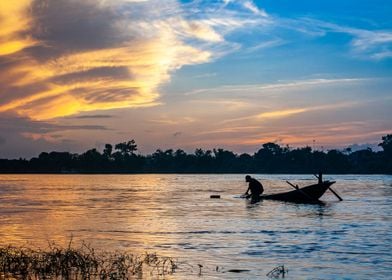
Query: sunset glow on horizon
<point x="193" y="74"/>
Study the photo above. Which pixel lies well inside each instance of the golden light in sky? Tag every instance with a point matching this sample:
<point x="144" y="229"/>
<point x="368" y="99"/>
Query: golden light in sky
<point x="88" y="77"/>
<point x="244" y="72"/>
<point x="15" y="20"/>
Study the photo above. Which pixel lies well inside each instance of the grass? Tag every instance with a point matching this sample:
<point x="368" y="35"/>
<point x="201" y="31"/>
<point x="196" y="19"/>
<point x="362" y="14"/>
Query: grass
<point x="80" y="263"/>
<point x="88" y="264"/>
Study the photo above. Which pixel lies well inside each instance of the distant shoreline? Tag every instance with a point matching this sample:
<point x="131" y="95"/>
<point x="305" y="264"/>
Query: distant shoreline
<point x="182" y="173"/>
<point x="271" y="158"/>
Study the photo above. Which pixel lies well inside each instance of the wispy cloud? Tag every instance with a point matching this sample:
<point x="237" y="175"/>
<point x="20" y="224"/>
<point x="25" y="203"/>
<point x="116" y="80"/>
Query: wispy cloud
<point x="205" y="75"/>
<point x="94" y="117"/>
<point x="247" y="4"/>
<point x="320" y="137"/>
<point x="277" y="86"/>
<point x="382" y="55"/>
<point x="253" y="8"/>
<point x="265" y="45"/>
<point x="288" y="112"/>
<point x="15" y="20"/>
<point x="317" y="135"/>
<point x="294" y="111"/>
<point x="173" y="121"/>
<point x="23" y="136"/>
<point x="228" y="105"/>
<point x="65" y="57"/>
<point x="372" y="44"/>
<point x="282" y="113"/>
<point x="11" y="123"/>
<point x="232" y="130"/>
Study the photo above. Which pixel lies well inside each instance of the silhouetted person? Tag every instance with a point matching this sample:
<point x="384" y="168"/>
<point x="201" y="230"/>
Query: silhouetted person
<point x="320" y="177"/>
<point x="255" y="188"/>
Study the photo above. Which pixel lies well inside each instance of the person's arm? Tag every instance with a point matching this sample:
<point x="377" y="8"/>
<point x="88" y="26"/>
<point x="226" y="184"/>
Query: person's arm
<point x="246" y="194"/>
<point x="247" y="191"/>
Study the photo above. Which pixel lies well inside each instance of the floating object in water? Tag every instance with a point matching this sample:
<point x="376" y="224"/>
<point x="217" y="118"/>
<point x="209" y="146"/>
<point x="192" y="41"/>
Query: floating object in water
<point x="238" y="270"/>
<point x="215" y="196"/>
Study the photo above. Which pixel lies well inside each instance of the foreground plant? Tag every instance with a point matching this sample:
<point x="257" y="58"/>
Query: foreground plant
<point x="82" y="263"/>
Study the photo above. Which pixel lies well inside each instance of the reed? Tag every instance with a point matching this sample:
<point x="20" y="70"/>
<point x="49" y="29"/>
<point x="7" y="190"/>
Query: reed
<point x="81" y="263"/>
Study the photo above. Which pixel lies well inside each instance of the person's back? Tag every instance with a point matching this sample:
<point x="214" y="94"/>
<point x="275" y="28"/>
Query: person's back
<point x="256" y="187"/>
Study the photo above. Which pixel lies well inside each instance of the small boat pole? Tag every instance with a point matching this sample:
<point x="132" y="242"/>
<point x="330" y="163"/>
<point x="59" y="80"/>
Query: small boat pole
<point x="338" y="196"/>
<point x="319" y="177"/>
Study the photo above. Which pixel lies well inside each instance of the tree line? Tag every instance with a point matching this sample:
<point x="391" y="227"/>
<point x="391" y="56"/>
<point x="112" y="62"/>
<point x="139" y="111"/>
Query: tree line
<point x="270" y="158"/>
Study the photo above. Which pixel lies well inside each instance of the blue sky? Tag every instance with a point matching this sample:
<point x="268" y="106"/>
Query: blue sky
<point x="303" y="32"/>
<point x="188" y="74"/>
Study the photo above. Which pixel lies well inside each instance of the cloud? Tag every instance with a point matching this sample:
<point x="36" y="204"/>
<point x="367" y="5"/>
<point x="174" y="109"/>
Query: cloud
<point x="240" y="130"/>
<point x="69" y="25"/>
<point x="65" y="57"/>
<point x="319" y="138"/>
<point x="25" y="128"/>
<point x="266" y="44"/>
<point x="288" y="112"/>
<point x="14" y="21"/>
<point x="282" y="113"/>
<point x="369" y="44"/>
<point x="27" y="137"/>
<point x="17" y="124"/>
<point x="315" y="134"/>
<point x="280" y="86"/>
<point x="253" y="8"/>
<point x="173" y="121"/>
<point x="247" y="5"/>
<point x="382" y="55"/>
<point x="2" y="140"/>
<point x="375" y="45"/>
<point x="93" y="117"/>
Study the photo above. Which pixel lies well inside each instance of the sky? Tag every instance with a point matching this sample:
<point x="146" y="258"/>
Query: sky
<point x="232" y="74"/>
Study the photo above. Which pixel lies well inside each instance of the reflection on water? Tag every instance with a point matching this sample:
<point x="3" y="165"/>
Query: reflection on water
<point x="173" y="215"/>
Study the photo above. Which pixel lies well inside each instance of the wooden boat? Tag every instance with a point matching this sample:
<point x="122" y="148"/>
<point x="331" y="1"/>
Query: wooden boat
<point x="308" y="194"/>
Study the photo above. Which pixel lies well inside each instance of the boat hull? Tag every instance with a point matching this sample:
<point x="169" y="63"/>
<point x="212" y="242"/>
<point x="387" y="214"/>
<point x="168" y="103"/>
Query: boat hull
<point x="308" y="194"/>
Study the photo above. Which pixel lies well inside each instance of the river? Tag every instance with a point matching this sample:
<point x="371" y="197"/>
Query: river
<point x="174" y="216"/>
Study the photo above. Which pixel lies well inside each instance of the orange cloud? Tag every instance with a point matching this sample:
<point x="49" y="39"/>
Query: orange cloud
<point x="282" y="113"/>
<point x="14" y="21"/>
<point x="88" y="76"/>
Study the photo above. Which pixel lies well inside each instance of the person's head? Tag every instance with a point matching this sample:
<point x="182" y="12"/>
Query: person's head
<point x="247" y="178"/>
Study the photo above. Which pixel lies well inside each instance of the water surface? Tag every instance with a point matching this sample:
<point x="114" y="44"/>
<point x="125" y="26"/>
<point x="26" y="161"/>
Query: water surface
<point x="173" y="215"/>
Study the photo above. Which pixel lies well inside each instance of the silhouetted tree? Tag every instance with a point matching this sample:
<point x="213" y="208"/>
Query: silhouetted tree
<point x="336" y="161"/>
<point x="181" y="161"/>
<point x="91" y="160"/>
<point x="162" y="160"/>
<point x="387" y="144"/>
<point x="246" y="164"/>
<point x="364" y="160"/>
<point x="266" y="158"/>
<point x="225" y="160"/>
<point x="271" y="158"/>
<point x="202" y="161"/>
<point x="302" y="158"/>
<point x="53" y="162"/>
<point x="107" y="152"/>
<point x="126" y="148"/>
